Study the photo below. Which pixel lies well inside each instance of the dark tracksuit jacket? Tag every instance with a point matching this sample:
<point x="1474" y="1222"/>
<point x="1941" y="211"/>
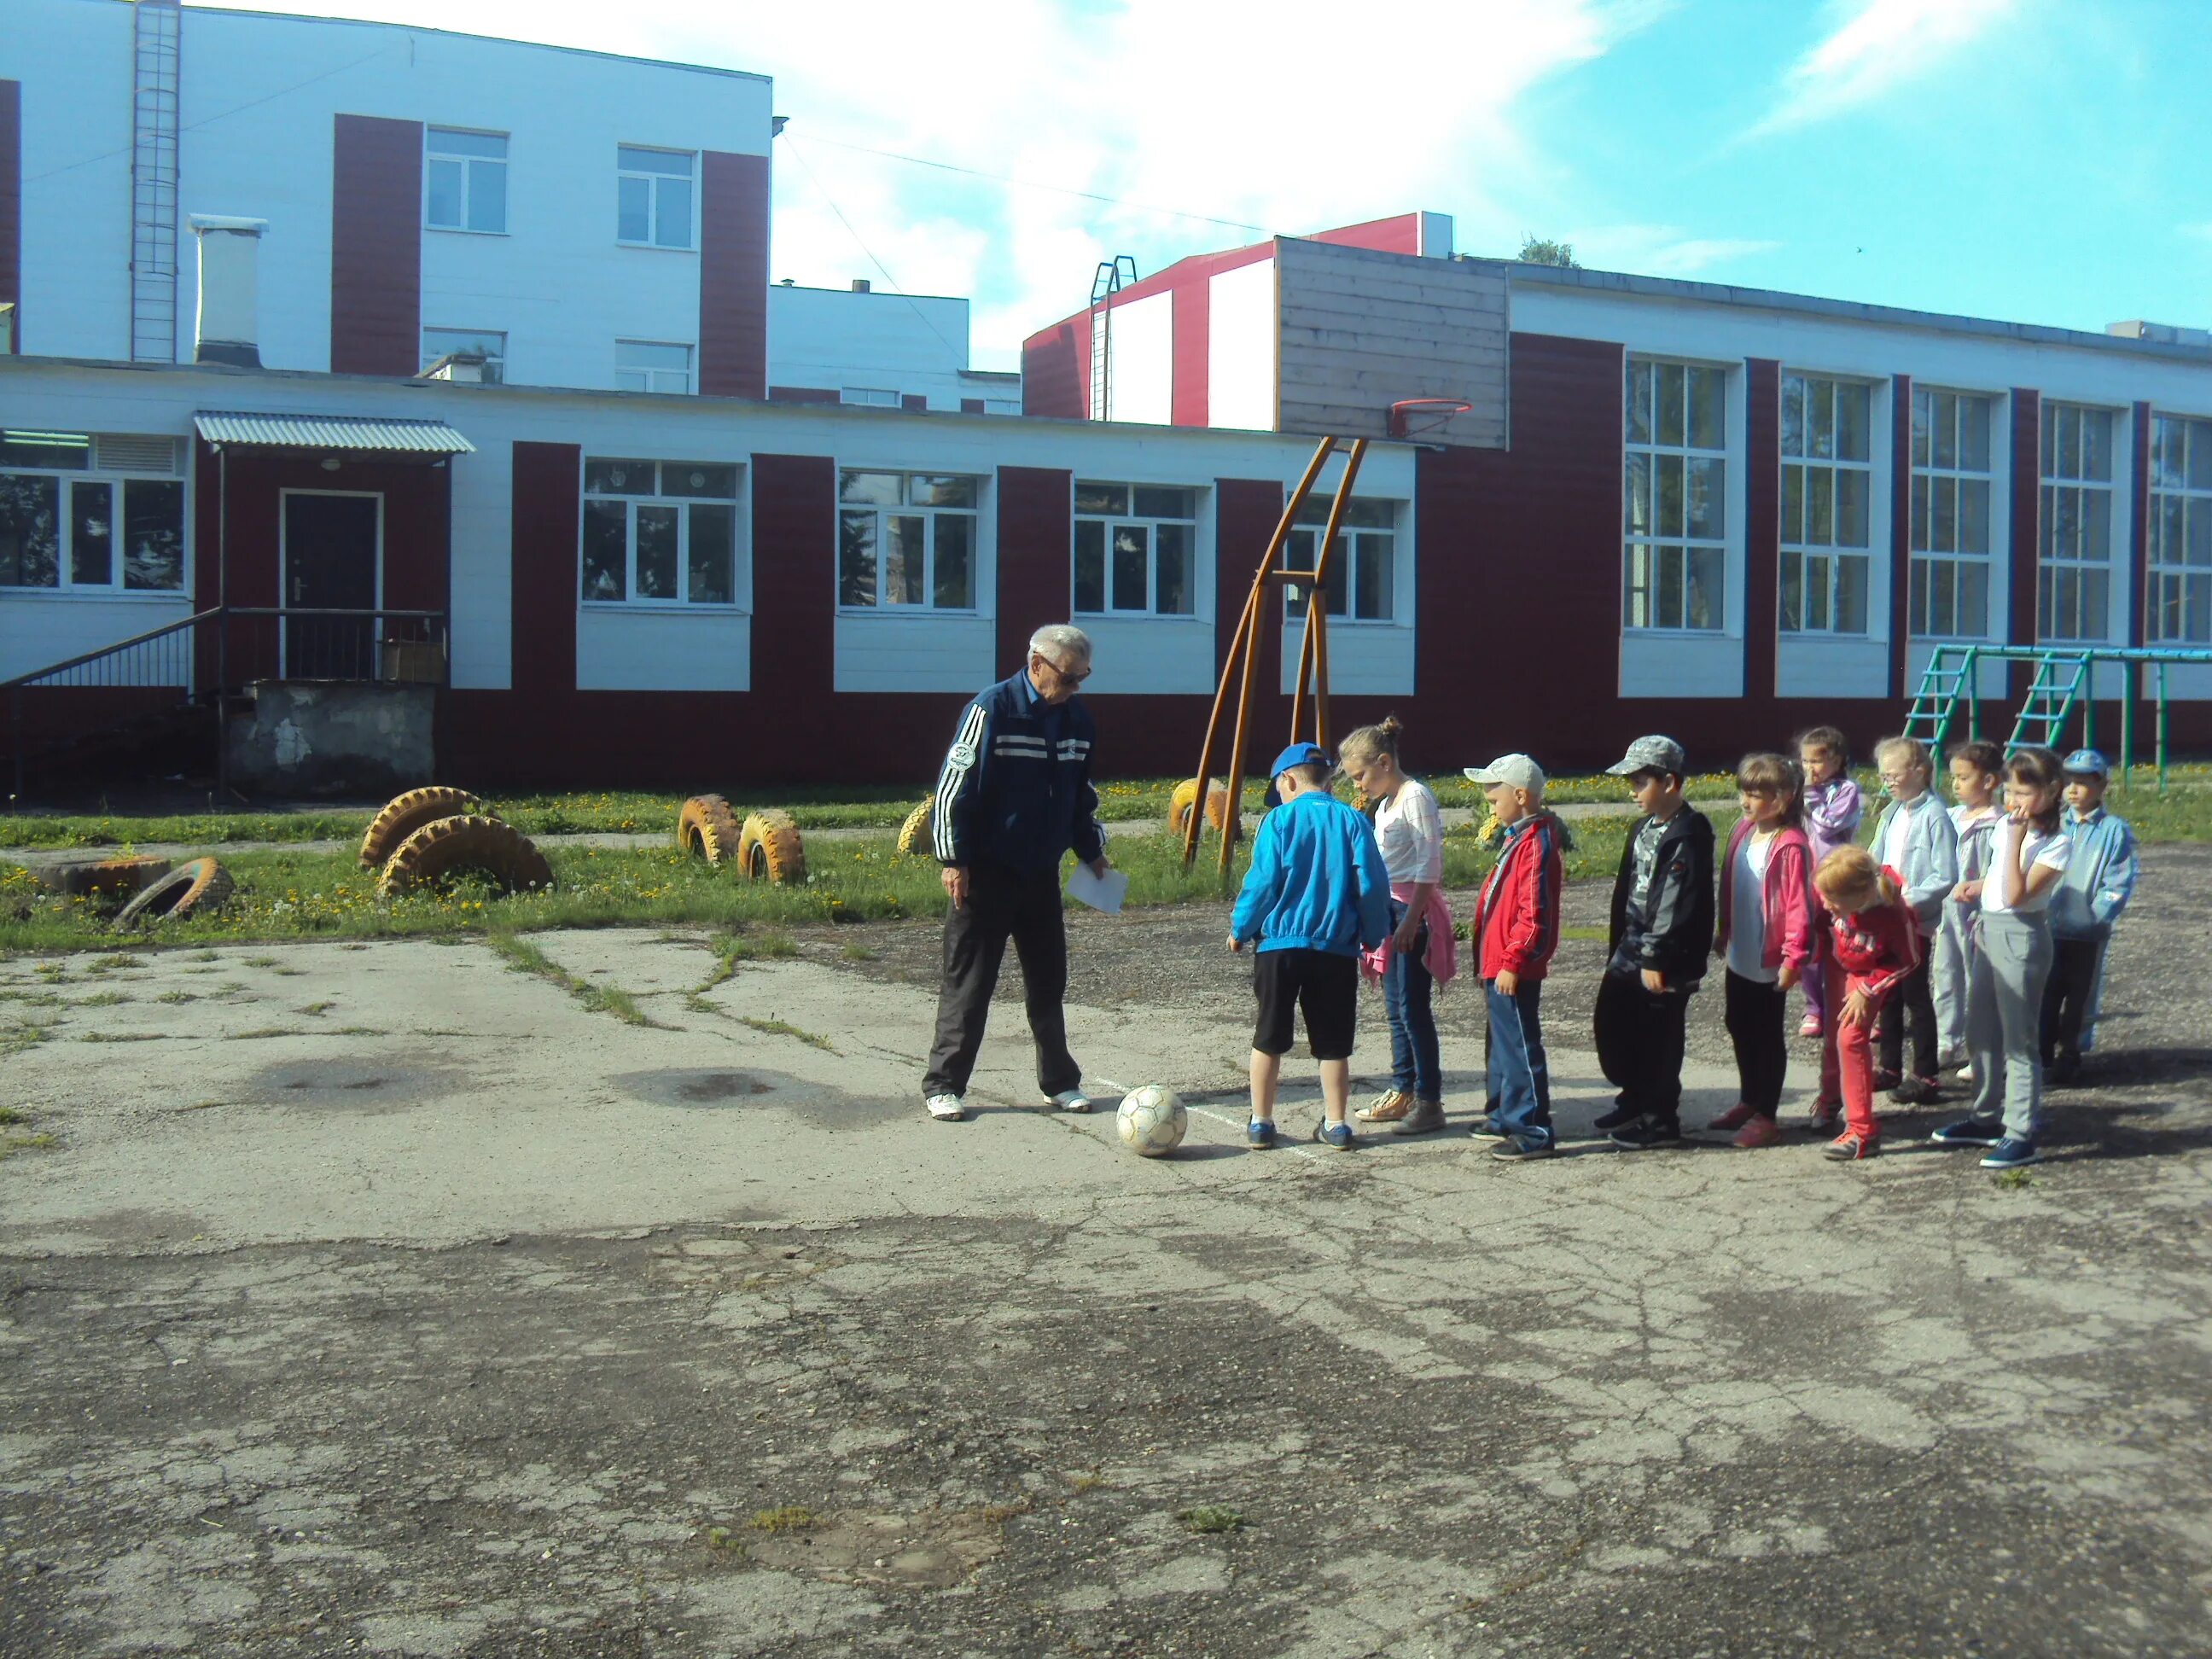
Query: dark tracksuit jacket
<point x="1667" y="925"/>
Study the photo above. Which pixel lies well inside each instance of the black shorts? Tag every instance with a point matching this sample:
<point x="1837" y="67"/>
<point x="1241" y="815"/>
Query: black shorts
<point x="1319" y="984"/>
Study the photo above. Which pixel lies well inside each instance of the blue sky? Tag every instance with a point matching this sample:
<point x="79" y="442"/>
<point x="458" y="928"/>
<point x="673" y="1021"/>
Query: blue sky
<point x="2039" y="161"/>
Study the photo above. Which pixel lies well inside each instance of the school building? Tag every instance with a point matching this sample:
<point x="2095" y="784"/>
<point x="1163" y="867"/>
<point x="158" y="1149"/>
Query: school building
<point x="421" y="369"/>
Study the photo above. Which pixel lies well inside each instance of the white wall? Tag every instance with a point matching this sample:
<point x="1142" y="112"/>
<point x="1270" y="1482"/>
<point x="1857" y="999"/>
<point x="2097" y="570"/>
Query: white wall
<point x="1140" y="353"/>
<point x="833" y="339"/>
<point x="37" y="628"/>
<point x="625" y="648"/>
<point x="258" y="92"/>
<point x="1241" y="333"/>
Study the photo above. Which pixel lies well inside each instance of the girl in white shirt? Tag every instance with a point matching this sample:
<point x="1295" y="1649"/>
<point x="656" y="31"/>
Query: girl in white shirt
<point x="2004" y="996"/>
<point x="1411" y="832"/>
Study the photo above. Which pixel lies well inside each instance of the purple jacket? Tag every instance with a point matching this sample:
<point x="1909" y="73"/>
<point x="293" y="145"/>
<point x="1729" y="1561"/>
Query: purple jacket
<point x="1832" y="811"/>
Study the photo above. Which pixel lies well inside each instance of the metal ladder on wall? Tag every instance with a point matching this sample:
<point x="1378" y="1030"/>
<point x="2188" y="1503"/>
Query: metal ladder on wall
<point x="1943" y="685"/>
<point x="156" y="26"/>
<point x="2062" y="679"/>
<point x="1113" y="276"/>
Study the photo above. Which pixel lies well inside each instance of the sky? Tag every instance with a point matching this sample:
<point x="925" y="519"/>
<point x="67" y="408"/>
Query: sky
<point x="2036" y="161"/>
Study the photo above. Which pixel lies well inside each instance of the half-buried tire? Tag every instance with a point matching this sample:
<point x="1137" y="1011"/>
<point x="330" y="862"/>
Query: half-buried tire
<point x="192" y="890"/>
<point x="104" y="877"/>
<point x="706" y="826"/>
<point x="769" y="849"/>
<point x="470" y="844"/>
<point x="913" y="835"/>
<point x="1179" y="804"/>
<point x="404" y="814"/>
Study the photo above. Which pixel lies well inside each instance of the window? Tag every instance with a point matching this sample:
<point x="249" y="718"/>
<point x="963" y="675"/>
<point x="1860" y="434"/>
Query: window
<point x="1827" y="481"/>
<point x="72" y="521"/>
<point x="660" y="532"/>
<point x="652" y="366"/>
<point x="2073" y="578"/>
<point x="465" y="181"/>
<point x="907" y="539"/>
<point x="1951" y="489"/>
<point x="1674" y="496"/>
<point x="489" y="343"/>
<point x="1133" y="547"/>
<point x="1365" y="565"/>
<point x="2180" y="531"/>
<point x="653" y="202"/>
<point x="869" y="396"/>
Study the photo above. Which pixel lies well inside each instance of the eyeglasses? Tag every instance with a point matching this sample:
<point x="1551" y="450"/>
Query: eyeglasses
<point x="1072" y="680"/>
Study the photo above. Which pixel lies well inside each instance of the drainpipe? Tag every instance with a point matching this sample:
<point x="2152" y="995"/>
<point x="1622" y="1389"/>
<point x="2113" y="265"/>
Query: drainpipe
<point x="222" y="619"/>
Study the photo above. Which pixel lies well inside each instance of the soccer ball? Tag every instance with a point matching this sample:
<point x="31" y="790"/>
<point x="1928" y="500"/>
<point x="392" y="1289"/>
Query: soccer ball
<point x="1151" y="1121"/>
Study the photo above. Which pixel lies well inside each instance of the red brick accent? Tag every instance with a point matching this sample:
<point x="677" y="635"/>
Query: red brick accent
<point x="376" y="245"/>
<point x="548" y="508"/>
<point x="795" y="593"/>
<point x="733" y="196"/>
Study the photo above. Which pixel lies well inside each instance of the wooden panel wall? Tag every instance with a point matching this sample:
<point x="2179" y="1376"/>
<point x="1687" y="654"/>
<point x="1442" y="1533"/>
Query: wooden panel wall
<point x="1363" y="329"/>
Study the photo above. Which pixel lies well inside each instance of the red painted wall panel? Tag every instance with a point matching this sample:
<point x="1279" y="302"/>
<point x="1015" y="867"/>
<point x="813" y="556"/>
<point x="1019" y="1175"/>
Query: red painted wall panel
<point x="548" y="507"/>
<point x="376" y="245"/>
<point x="2138" y="578"/>
<point x="795" y="591"/>
<point x="1900" y="534"/>
<point x="733" y="274"/>
<point x="913" y="403"/>
<point x="1055" y="365"/>
<point x="1036" y="526"/>
<point x="802" y="394"/>
<point x="2026" y="505"/>
<point x="1762" y="525"/>
<point x="1247" y="511"/>
<point x="1194" y="315"/>
<point x="1400" y="234"/>
<point x="11" y="204"/>
<point x="971" y="405"/>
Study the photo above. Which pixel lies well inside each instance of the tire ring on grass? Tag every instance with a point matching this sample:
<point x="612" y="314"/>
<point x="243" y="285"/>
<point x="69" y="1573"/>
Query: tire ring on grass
<point x="404" y="814"/>
<point x="913" y="835"/>
<point x="1217" y="804"/>
<point x="194" y="890"/>
<point x="104" y="877"/>
<point x="706" y="826"/>
<point x="471" y="842"/>
<point x="769" y="849"/>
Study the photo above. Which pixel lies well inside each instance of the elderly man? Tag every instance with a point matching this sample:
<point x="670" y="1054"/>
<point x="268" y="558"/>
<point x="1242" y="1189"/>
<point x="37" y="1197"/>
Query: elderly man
<point x="1014" y="796"/>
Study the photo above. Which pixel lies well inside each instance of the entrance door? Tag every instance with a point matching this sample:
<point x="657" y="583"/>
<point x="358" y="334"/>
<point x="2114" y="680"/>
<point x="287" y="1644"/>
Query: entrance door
<point x="332" y="549"/>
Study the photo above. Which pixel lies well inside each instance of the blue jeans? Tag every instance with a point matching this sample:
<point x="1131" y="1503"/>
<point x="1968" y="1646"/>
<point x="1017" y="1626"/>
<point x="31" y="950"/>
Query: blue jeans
<point x="1520" y="1077"/>
<point x="1416" y="1062"/>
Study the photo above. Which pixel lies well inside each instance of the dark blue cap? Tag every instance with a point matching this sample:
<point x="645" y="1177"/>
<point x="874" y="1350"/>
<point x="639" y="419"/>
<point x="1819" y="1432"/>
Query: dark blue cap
<point x="1298" y="754"/>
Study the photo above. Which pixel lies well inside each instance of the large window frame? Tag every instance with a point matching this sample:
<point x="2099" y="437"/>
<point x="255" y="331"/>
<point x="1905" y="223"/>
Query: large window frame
<point x="1827" y="504"/>
<point x="656" y="198"/>
<point x="1674" y="483"/>
<point x="2178" y="591"/>
<point x="2075" y="539"/>
<point x="657" y="366"/>
<point x="1364" y="574"/>
<point x="465" y="181"/>
<point x="88" y="515"/>
<point x="1133" y="549"/>
<point x="909" y="541"/>
<point x="1954" y="507"/>
<point x="681" y="533"/>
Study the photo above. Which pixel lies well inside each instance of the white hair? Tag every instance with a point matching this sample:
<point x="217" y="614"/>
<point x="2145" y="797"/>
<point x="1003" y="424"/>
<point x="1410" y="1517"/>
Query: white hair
<point x="1059" y="641"/>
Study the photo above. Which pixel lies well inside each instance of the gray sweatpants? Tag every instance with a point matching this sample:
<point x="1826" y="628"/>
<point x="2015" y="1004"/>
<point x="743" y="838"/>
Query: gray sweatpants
<point x="2004" y="1017"/>
<point x="1950" y="965"/>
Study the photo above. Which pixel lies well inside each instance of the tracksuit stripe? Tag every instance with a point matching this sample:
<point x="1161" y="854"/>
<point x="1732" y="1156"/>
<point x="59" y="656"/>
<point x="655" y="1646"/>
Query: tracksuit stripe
<point x="953" y="780"/>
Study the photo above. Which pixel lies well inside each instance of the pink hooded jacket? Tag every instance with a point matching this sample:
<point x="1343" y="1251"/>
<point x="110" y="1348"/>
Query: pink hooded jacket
<point x="1788" y="909"/>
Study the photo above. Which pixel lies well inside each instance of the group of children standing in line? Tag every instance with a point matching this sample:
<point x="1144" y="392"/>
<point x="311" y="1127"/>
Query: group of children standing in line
<point x="1973" y="938"/>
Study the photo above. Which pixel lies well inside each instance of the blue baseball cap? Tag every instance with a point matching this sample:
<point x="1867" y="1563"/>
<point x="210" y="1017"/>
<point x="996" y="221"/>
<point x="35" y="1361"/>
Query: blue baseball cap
<point x="1299" y="754"/>
<point x="2087" y="762"/>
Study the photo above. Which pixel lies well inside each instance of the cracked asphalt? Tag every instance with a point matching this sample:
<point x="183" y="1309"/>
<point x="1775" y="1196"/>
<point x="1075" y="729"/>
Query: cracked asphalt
<point x="387" y="1300"/>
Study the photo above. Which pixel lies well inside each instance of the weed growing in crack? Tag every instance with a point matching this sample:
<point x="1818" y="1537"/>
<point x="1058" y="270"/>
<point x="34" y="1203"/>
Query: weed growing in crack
<point x="2012" y="1180"/>
<point x="785" y="1028"/>
<point x="1210" y="1518"/>
<point x="11" y="1145"/>
<point x="523" y="957"/>
<point x="792" y="1518"/>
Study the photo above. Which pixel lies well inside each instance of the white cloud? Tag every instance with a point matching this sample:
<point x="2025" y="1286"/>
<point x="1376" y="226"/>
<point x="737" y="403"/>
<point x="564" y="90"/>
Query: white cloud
<point x="1297" y="119"/>
<point x="1659" y="250"/>
<point x="1879" y="45"/>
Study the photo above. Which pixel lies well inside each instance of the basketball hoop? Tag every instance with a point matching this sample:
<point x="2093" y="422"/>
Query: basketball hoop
<point x="1432" y="412"/>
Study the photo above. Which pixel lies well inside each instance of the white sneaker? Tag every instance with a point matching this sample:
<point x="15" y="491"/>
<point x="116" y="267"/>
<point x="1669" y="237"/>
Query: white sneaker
<point x="945" y="1108"/>
<point x="1072" y="1100"/>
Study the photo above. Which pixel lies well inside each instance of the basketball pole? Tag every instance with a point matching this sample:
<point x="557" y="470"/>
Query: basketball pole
<point x="1241" y="665"/>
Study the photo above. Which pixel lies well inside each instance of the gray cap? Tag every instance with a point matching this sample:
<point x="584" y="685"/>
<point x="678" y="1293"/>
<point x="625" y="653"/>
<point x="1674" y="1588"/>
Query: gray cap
<point x="1517" y="770"/>
<point x="1650" y="755"/>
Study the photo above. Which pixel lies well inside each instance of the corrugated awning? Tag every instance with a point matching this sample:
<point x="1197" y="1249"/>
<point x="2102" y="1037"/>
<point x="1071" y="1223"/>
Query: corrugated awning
<point x="355" y="434"/>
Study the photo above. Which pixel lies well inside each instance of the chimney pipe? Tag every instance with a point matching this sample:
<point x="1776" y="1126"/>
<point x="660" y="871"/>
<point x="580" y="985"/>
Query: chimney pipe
<point x="228" y="327"/>
<point x="859" y="285"/>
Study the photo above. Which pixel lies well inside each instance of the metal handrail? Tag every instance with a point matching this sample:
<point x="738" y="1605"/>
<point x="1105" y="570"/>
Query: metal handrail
<point x="37" y="675"/>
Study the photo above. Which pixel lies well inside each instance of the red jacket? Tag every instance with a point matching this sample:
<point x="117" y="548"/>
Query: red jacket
<point x="1877" y="947"/>
<point x="1517" y="917"/>
<point x="1788" y="894"/>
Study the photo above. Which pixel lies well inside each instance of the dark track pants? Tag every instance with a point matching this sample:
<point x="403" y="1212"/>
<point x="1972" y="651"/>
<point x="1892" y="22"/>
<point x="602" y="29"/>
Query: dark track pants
<point x="1024" y="906"/>
<point x="1911" y="1005"/>
<point x="1755" y="1012"/>
<point x="1640" y="1037"/>
<point x="2069" y="995"/>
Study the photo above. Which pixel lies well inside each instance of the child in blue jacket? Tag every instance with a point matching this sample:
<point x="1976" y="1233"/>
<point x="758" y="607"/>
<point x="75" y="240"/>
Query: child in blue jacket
<point x="1317" y="896"/>
<point x="2093" y="896"/>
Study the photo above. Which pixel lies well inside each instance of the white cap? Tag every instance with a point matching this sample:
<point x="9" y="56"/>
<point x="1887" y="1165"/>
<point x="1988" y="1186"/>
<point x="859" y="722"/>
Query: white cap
<point x="1516" y="769"/>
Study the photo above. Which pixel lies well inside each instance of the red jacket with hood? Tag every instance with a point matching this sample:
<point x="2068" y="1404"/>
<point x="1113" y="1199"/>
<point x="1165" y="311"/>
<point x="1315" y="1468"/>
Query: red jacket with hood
<point x="1516" y="918"/>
